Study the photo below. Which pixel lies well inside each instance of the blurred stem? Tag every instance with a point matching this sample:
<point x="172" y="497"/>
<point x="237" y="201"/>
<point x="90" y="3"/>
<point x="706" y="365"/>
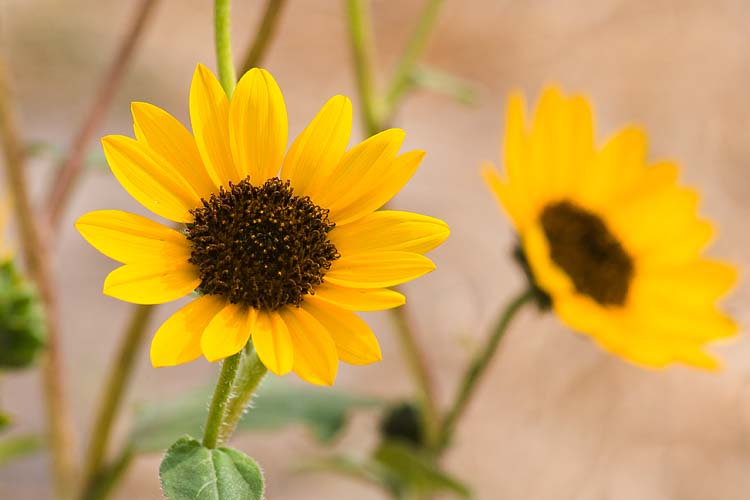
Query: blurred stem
<point x="219" y="401"/>
<point x="223" y="40"/>
<point x="479" y="365"/>
<point x="107" y="478"/>
<point x="403" y="76"/>
<point x="71" y="168"/>
<point x="35" y="254"/>
<point x="113" y="393"/>
<point x="361" y="40"/>
<point x="263" y="36"/>
<point x="376" y="119"/>
<point x="251" y="372"/>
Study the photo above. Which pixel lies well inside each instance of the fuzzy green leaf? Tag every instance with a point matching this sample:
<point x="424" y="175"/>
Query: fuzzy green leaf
<point x="189" y="471"/>
<point x="21" y="320"/>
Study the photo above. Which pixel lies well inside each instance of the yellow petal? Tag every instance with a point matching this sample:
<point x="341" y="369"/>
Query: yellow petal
<point x="130" y="238"/>
<point x="155" y="184"/>
<point x="169" y="139"/>
<point x="178" y="339"/>
<point x="209" y="116"/>
<point x="698" y="284"/>
<point x="358" y="169"/>
<point x="228" y="332"/>
<point x="319" y="148"/>
<point x="274" y="344"/>
<point x="357" y="299"/>
<point x="378" y="270"/>
<point x="355" y="342"/>
<point x="376" y="192"/>
<point x="258" y="126"/>
<point x="315" y="355"/>
<point x="512" y="200"/>
<point x="153" y="282"/>
<point x="390" y="230"/>
<point x="615" y="169"/>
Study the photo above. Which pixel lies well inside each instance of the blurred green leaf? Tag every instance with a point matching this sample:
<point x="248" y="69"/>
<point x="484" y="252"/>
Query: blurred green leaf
<point x="95" y="160"/>
<point x="38" y="148"/>
<point x="363" y="470"/>
<point x="409" y="470"/>
<point x="21" y="319"/>
<point x="5" y="420"/>
<point x="323" y="410"/>
<point x="190" y="471"/>
<point x="16" y="447"/>
<point x="444" y="83"/>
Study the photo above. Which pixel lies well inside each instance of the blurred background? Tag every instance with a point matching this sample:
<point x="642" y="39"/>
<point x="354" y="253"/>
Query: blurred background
<point x="556" y="418"/>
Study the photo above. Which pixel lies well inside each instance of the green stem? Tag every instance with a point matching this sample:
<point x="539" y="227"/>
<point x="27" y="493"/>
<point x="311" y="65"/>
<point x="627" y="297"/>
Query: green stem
<point x="263" y="36"/>
<point x="219" y="401"/>
<point x="361" y="39"/>
<point x="113" y="392"/>
<point x="107" y="478"/>
<point x="223" y="39"/>
<point x="251" y="372"/>
<point x="402" y="79"/>
<point x="479" y="365"/>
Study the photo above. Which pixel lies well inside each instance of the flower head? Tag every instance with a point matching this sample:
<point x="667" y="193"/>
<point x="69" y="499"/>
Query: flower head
<point x="614" y="243"/>
<point x="281" y="246"/>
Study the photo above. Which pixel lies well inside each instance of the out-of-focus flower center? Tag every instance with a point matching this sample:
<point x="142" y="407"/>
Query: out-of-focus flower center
<point x="261" y="246"/>
<point x="581" y="244"/>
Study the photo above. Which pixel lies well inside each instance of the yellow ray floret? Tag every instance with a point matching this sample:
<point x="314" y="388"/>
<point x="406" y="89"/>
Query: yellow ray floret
<point x="281" y="246"/>
<point x="615" y="243"/>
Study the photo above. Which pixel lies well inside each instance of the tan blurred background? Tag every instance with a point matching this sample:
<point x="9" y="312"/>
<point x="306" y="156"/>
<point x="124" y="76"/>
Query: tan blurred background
<point x="556" y="418"/>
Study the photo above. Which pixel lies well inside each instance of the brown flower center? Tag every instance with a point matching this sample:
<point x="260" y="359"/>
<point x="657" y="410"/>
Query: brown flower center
<point x="581" y="244"/>
<point x="260" y="246"/>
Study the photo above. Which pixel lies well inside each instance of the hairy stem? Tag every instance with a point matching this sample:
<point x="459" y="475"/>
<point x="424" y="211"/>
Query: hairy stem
<point x="71" y="168"/>
<point x="264" y="35"/>
<point x="219" y="401"/>
<point x="479" y="365"/>
<point x="114" y="391"/>
<point x="223" y="40"/>
<point x="251" y="372"/>
<point x="59" y="419"/>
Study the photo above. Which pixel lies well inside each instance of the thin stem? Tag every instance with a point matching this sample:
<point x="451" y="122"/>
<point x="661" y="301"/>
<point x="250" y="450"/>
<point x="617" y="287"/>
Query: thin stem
<point x="479" y="365"/>
<point x="361" y="39"/>
<point x="264" y="35"/>
<point x="107" y="478"/>
<point x="219" y="401"/>
<point x="223" y="40"/>
<point x="420" y="373"/>
<point x="71" y="168"/>
<point x="114" y="391"/>
<point x="402" y="78"/>
<point x="251" y="372"/>
<point x="36" y="257"/>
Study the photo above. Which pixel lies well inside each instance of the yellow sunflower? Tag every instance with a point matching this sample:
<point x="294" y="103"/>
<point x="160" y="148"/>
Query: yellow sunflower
<point x="281" y="246"/>
<point x="614" y="243"/>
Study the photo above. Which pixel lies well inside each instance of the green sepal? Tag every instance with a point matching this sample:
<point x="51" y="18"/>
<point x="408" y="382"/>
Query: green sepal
<point x="21" y="319"/>
<point x="190" y="471"/>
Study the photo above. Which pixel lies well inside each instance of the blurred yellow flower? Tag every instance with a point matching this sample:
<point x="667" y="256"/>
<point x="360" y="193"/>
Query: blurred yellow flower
<point x="281" y="247"/>
<point x="615" y="244"/>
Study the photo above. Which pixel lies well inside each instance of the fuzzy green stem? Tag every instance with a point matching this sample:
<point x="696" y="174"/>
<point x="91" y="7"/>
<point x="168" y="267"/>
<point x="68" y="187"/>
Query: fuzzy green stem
<point x="114" y="391"/>
<point x="219" y="401"/>
<point x="361" y="40"/>
<point x="263" y="36"/>
<point x="479" y="365"/>
<point x="223" y="39"/>
<point x="251" y="372"/>
<point x="403" y="76"/>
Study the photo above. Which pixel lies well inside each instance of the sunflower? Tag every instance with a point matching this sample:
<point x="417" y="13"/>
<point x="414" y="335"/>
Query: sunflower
<point x="279" y="247"/>
<point x="614" y="244"/>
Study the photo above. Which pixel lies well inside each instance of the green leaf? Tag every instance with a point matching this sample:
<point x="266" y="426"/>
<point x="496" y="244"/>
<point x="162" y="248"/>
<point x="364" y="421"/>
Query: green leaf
<point x="5" y="421"/>
<point x="21" y="319"/>
<point x="16" y="447"/>
<point x="190" y="471"/>
<point x="444" y="83"/>
<point x="415" y="472"/>
<point x="323" y="411"/>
